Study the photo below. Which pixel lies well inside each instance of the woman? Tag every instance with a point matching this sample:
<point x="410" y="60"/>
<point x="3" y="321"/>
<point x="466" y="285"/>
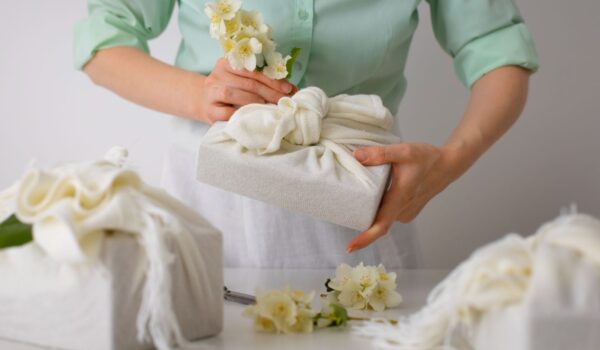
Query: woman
<point x="347" y="46"/>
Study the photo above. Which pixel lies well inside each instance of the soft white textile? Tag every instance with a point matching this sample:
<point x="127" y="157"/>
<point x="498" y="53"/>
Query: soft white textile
<point x="71" y="207"/>
<point x="261" y="235"/>
<point x="311" y="118"/>
<point x="505" y="291"/>
<point x="299" y="155"/>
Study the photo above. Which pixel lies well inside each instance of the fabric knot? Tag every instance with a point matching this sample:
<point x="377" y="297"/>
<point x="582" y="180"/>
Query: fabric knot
<point x="306" y="109"/>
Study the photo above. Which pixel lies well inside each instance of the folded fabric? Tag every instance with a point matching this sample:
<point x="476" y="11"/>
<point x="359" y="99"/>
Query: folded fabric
<point x="73" y="207"/>
<point x="541" y="292"/>
<point x="298" y="155"/>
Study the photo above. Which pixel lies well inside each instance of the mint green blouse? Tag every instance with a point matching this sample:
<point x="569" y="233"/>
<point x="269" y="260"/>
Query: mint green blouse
<point x="348" y="46"/>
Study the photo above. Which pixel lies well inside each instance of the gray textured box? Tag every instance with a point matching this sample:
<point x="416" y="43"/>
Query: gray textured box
<point x="101" y="313"/>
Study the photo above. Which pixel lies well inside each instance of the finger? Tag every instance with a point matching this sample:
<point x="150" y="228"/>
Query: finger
<point x="283" y="86"/>
<point x="385" y="217"/>
<point x="377" y="155"/>
<point x="220" y="113"/>
<point x="234" y="96"/>
<point x="253" y="86"/>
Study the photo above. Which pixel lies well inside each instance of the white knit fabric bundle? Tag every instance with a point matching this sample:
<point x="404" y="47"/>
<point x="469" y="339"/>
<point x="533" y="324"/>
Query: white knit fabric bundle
<point x="305" y="138"/>
<point x="72" y="207"/>
<point x="310" y="118"/>
<point x="513" y="272"/>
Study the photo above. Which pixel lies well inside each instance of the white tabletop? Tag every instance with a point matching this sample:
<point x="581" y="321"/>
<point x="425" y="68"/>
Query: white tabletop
<point x="238" y="333"/>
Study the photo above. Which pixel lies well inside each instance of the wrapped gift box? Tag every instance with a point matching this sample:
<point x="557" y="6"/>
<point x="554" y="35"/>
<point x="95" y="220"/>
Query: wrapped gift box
<point x="298" y="155"/>
<point x="100" y="311"/>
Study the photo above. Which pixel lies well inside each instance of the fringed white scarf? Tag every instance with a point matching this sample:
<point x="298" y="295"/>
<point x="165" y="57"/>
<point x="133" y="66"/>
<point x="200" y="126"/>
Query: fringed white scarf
<point x="71" y="207"/>
<point x="494" y="277"/>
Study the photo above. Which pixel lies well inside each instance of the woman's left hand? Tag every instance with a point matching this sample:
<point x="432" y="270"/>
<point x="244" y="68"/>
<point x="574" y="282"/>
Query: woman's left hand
<point x="419" y="172"/>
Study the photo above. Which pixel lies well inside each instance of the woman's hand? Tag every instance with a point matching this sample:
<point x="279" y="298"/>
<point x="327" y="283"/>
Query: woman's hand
<point x="419" y="172"/>
<point x="225" y="89"/>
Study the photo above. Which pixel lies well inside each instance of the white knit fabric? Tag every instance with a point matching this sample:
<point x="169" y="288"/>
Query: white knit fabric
<point x="501" y="296"/>
<point x="71" y="207"/>
<point x="306" y="139"/>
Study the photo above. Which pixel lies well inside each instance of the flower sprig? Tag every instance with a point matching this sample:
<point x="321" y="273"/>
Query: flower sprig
<point x="287" y="311"/>
<point x="246" y="40"/>
<point x="363" y="287"/>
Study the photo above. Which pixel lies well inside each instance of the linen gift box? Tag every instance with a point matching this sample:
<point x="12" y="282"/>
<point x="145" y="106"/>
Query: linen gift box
<point x="298" y="155"/>
<point x="114" y="263"/>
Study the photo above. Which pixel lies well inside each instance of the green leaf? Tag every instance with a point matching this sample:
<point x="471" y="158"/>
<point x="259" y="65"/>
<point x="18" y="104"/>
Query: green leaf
<point x="340" y="314"/>
<point x="289" y="64"/>
<point x="14" y="233"/>
<point x="327" y="287"/>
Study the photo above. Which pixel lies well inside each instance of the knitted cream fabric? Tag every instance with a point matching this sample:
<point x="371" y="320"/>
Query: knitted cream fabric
<point x="540" y="292"/>
<point x="298" y="155"/>
<point x="73" y="206"/>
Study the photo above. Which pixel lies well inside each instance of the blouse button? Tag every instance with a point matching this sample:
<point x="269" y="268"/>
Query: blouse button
<point x="303" y="15"/>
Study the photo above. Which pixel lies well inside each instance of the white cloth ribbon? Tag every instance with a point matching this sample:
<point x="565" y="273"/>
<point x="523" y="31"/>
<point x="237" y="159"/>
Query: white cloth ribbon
<point x="493" y="277"/>
<point x="71" y="207"/>
<point x="310" y="118"/>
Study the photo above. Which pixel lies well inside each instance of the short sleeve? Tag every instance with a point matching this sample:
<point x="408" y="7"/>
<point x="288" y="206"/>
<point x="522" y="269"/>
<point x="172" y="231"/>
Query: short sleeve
<point x="482" y="35"/>
<point x="120" y="23"/>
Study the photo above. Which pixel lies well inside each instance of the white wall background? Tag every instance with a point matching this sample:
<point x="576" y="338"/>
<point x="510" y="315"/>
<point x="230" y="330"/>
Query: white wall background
<point x="51" y="112"/>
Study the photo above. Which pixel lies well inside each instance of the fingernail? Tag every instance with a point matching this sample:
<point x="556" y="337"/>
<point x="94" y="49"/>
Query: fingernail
<point x="360" y="155"/>
<point x="288" y="88"/>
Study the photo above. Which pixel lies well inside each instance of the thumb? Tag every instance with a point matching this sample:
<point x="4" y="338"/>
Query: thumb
<point x="377" y="155"/>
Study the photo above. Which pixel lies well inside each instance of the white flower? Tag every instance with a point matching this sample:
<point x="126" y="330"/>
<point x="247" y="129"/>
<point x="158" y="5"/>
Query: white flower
<point x="219" y="12"/>
<point x="227" y="44"/>
<point x="304" y="321"/>
<point x="233" y="26"/>
<point x="383" y="298"/>
<point x="366" y="277"/>
<point x="342" y="276"/>
<point x="364" y="287"/>
<point x="243" y="54"/>
<point x="283" y="311"/>
<point x="301" y="297"/>
<point x="351" y="296"/>
<point x="278" y="307"/>
<point x="276" y="65"/>
<point x="223" y="9"/>
<point x="253" y="24"/>
<point x="267" y="44"/>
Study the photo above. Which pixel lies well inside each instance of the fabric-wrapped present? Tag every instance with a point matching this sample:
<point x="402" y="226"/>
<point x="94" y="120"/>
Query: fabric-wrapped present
<point x="298" y="155"/>
<point x="535" y="293"/>
<point x="113" y="264"/>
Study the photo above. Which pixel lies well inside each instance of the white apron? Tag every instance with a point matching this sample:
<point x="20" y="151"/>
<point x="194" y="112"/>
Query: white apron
<point x="257" y="234"/>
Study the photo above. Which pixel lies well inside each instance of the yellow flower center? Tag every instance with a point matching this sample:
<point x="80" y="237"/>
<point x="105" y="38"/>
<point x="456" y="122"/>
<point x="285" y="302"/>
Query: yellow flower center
<point x="280" y="309"/>
<point x="231" y="27"/>
<point x="224" y="7"/>
<point x="245" y="50"/>
<point x="228" y="45"/>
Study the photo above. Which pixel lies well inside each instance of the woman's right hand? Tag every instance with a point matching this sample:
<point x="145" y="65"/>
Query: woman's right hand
<point x="225" y="89"/>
